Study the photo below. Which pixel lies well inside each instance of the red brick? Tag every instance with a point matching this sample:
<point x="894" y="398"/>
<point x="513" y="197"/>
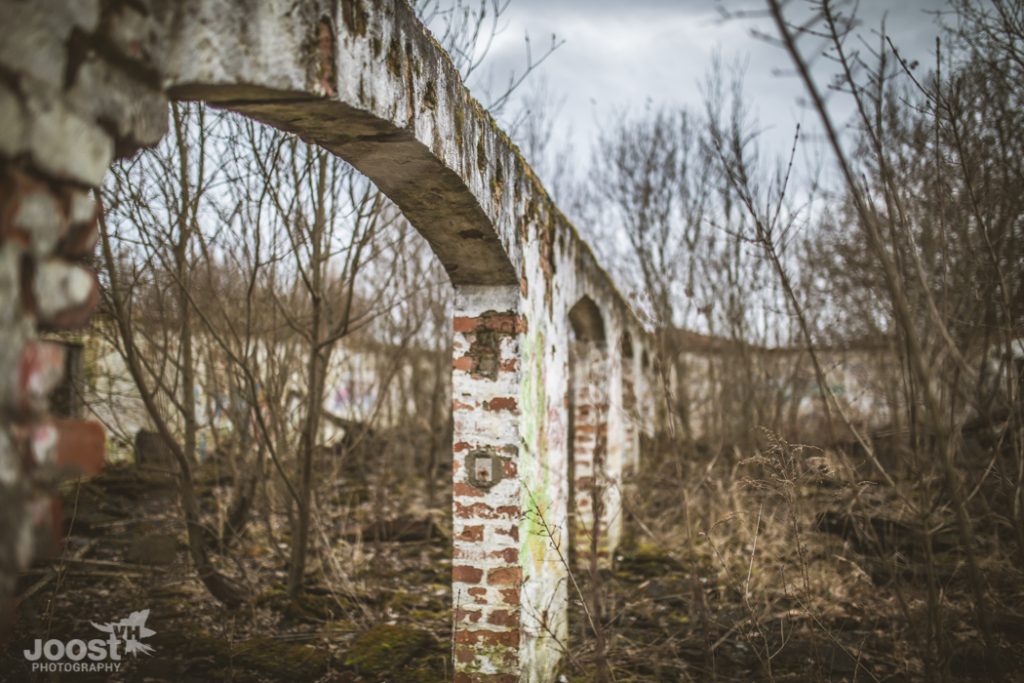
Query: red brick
<point x="510" y="555"/>
<point x="501" y="403"/>
<point x="509" y="638"/>
<point x="485" y="511"/>
<point x="40" y="369"/>
<point x="80" y="444"/>
<point x="509" y="469"/>
<point x="503" y="323"/>
<point x="473" y="511"/>
<point x="504" y="576"/>
<point x="465" y="324"/>
<point x="472" y="534"/>
<point x="467" y="615"/>
<point x="461" y="488"/>
<point x="467" y="574"/>
<point x="510" y="596"/>
<point x="502" y="617"/>
<point x="507" y="323"/>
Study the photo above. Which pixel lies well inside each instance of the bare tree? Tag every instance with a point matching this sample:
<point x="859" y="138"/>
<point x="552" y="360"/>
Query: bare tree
<point x="942" y="259"/>
<point x="165" y="211"/>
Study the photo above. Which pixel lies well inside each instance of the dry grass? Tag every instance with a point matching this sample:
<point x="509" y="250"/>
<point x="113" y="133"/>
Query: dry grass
<point x="733" y="576"/>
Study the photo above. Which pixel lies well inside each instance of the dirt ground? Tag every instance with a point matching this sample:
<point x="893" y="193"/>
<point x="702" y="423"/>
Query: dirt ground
<point x="127" y="552"/>
<point x="741" y="600"/>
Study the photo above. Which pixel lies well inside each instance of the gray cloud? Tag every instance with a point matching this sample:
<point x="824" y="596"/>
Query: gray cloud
<point x="619" y="55"/>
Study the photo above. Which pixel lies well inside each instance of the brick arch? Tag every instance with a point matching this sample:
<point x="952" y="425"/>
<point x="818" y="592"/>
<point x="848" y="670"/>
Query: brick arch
<point x="586" y="322"/>
<point x="368" y="84"/>
<point x="588" y="398"/>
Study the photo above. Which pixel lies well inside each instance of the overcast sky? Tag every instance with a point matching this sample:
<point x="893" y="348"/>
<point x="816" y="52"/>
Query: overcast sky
<point x="621" y="54"/>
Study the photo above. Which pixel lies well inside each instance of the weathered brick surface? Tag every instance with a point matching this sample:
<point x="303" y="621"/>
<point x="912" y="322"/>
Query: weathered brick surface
<point x="64" y="110"/>
<point x="592" y="479"/>
<point x="463" y="574"/>
<point x="486" y="502"/>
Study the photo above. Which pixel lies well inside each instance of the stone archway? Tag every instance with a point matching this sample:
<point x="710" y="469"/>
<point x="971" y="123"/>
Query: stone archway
<point x="589" y="453"/>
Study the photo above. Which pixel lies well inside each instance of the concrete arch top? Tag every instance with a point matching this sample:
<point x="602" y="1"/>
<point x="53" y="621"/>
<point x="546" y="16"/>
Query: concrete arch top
<point x="367" y="82"/>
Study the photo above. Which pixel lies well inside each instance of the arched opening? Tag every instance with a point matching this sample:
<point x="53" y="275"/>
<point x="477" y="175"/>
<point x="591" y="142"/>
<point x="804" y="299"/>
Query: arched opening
<point x="586" y="322"/>
<point x="627" y="345"/>
<point x="588" y="431"/>
<point x="366" y="82"/>
<point x="404" y="120"/>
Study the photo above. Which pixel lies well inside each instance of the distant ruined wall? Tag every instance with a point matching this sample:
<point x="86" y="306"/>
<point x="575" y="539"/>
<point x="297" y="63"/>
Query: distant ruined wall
<point x="85" y="81"/>
<point x="783" y="386"/>
<point x="365" y="382"/>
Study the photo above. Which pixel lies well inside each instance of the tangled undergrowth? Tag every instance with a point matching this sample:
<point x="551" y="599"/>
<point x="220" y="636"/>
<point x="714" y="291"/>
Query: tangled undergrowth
<point x="781" y="566"/>
<point x="787" y="566"/>
<point x="373" y="610"/>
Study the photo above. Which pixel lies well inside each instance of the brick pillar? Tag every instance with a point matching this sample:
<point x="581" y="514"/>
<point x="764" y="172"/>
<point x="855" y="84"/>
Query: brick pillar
<point x="630" y="449"/>
<point x="589" y="444"/>
<point x="78" y="87"/>
<point x="630" y="418"/>
<point x="486" y="573"/>
<point x="45" y="228"/>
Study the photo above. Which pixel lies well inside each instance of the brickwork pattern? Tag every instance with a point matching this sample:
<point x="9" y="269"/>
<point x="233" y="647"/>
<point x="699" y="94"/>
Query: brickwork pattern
<point x="590" y="449"/>
<point x="76" y="89"/>
<point x="631" y="417"/>
<point x="486" y="574"/>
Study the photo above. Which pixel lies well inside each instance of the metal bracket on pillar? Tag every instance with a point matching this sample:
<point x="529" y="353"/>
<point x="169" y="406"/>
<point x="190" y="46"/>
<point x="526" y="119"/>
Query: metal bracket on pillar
<point x="484" y="468"/>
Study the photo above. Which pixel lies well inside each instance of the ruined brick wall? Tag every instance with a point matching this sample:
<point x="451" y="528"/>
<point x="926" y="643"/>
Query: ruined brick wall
<point x="785" y="390"/>
<point x="83" y="81"/>
<point x="76" y="89"/>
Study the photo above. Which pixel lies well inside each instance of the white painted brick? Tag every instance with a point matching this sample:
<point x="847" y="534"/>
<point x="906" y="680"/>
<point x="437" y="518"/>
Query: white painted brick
<point x="52" y="127"/>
